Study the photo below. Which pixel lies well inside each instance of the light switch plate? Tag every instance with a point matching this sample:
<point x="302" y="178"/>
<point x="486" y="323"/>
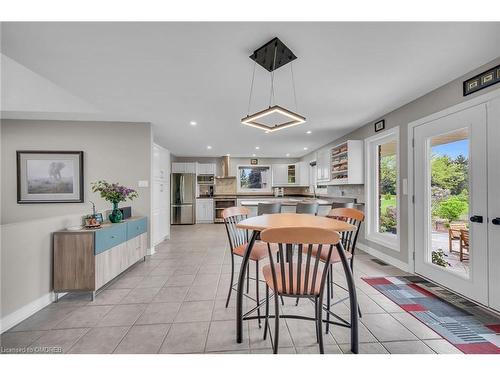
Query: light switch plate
<point x="143" y="183"/>
<point x="405" y="186"/>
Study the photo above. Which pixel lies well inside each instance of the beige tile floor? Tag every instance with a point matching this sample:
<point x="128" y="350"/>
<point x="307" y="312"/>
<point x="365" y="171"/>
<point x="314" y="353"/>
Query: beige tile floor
<point x="174" y="303"/>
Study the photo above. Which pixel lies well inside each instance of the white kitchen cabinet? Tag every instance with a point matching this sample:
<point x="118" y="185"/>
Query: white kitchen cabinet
<point x="160" y="208"/>
<point x="205" y="168"/>
<point x="303" y="170"/>
<point x="280" y="174"/>
<point x="290" y="174"/>
<point x="323" y="161"/>
<point x="204" y="210"/>
<point x="183" y="167"/>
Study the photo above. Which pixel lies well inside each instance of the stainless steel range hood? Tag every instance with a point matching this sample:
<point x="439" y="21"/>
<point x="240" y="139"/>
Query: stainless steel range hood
<point x="225" y="163"/>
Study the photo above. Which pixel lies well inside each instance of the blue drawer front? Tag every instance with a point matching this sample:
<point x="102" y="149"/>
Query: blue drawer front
<point x="107" y="238"/>
<point x="136" y="227"/>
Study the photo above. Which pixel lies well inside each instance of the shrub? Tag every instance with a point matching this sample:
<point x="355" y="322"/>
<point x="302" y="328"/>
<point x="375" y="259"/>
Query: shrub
<point x="438" y="258"/>
<point x="388" y="220"/>
<point x="452" y="208"/>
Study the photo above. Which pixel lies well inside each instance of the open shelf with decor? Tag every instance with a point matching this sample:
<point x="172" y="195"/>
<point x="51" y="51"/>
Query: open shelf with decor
<point x="347" y="163"/>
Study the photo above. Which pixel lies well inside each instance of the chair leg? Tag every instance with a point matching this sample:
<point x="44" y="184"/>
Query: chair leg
<point x="257" y="290"/>
<point x="266" y="321"/>
<point x="331" y="284"/>
<point x="248" y="277"/>
<point x="328" y="281"/>
<point x="352" y="271"/>
<point x="276" y="323"/>
<point x="318" y="333"/>
<point x="319" y="308"/>
<point x="231" y="282"/>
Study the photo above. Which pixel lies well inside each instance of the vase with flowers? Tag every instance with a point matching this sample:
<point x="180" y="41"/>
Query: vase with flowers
<point x="115" y="194"/>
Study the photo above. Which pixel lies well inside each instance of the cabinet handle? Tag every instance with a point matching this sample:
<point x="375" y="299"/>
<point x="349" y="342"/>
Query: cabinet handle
<point x="113" y="237"/>
<point x="496" y="221"/>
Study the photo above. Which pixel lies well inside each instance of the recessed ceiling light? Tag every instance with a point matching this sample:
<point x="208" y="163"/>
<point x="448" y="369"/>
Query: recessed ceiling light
<point x="254" y="155"/>
<point x="305" y="148"/>
<point x="308" y="132"/>
<point x="209" y="147"/>
<point x="287" y="155"/>
<point x="257" y="147"/>
<point x="193" y="123"/>
<point x="228" y="154"/>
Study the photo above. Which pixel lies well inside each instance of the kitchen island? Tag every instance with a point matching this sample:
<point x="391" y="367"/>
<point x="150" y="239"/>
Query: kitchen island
<point x="288" y="204"/>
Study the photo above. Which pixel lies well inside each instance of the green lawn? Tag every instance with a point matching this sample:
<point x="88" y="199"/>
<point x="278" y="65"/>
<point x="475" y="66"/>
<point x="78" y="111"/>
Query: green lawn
<point x="385" y="203"/>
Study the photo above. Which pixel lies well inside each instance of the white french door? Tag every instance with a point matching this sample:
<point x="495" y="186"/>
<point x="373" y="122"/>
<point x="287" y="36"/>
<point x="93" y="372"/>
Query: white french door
<point x="494" y="202"/>
<point x="451" y="203"/>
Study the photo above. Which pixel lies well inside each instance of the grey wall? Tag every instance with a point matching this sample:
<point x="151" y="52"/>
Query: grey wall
<point x="117" y="152"/>
<point x="435" y="101"/>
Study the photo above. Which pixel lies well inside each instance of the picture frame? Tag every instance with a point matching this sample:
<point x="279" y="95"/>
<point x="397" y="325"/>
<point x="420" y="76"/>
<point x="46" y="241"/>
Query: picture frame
<point x="254" y="161"/>
<point x="379" y="125"/>
<point x="49" y="176"/>
<point x="481" y="81"/>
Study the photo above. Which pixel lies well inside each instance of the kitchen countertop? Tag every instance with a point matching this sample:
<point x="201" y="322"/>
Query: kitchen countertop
<point x="284" y="201"/>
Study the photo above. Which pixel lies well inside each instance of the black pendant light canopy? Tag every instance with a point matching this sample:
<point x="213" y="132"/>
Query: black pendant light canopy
<point x="273" y="55"/>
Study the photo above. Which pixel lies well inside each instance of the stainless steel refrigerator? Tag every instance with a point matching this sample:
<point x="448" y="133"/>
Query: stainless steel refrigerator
<point x="183" y="198"/>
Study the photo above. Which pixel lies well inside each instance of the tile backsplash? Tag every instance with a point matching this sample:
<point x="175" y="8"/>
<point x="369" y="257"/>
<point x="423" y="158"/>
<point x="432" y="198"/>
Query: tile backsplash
<point x="351" y="191"/>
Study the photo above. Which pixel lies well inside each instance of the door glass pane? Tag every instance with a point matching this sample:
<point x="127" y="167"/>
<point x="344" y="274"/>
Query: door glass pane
<point x="387" y="188"/>
<point x="449" y="201"/>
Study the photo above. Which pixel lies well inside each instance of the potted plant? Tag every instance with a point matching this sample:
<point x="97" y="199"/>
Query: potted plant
<point x="115" y="194"/>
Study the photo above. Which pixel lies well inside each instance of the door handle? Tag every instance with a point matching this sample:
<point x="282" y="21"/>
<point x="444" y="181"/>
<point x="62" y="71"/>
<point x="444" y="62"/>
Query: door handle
<point x="476" y="219"/>
<point x="496" y="221"/>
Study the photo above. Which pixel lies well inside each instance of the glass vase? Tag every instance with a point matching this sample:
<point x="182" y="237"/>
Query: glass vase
<point x="116" y="215"/>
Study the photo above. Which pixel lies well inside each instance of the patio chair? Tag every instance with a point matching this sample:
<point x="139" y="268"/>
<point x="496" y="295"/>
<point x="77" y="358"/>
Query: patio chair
<point x="454" y="233"/>
<point x="464" y="244"/>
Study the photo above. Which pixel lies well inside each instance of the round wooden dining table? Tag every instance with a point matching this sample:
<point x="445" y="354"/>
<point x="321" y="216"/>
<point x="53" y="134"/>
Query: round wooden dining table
<point x="257" y="224"/>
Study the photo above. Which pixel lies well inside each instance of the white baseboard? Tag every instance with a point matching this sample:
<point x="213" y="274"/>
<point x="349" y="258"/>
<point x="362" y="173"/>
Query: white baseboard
<point x="16" y="317"/>
<point x="151" y="250"/>
<point x="382" y="256"/>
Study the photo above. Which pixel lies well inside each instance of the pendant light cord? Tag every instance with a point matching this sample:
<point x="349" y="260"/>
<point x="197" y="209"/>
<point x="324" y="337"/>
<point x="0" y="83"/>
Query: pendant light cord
<point x="251" y="89"/>
<point x="271" y="97"/>
<point x="294" y="92"/>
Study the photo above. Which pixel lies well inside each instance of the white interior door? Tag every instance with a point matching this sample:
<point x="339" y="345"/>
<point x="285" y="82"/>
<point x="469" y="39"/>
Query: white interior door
<point x="450" y="184"/>
<point x="494" y="202"/>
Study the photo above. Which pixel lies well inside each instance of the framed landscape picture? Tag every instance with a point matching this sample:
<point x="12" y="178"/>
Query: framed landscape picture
<point x="49" y="176"/>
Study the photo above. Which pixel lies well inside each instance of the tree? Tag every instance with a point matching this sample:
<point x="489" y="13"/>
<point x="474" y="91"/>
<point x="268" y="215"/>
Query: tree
<point x="449" y="174"/>
<point x="388" y="174"/>
<point x="452" y="208"/>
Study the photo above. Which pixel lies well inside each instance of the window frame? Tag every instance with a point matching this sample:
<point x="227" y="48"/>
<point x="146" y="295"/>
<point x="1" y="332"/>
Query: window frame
<point x="372" y="188"/>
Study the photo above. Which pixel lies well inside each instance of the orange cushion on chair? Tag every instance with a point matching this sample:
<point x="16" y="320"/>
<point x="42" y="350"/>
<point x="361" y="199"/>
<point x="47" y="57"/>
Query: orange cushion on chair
<point x="268" y="276"/>
<point x="324" y="253"/>
<point x="259" y="250"/>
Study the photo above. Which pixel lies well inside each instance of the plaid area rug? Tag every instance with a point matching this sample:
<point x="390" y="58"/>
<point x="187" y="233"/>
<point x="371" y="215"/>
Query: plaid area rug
<point x="464" y="324"/>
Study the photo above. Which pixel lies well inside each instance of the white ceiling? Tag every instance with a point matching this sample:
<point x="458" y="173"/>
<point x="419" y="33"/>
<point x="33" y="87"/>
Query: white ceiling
<point x="346" y="74"/>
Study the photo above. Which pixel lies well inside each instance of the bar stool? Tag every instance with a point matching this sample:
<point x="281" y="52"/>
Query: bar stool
<point x="238" y="240"/>
<point x="342" y="205"/>
<point x="268" y="208"/>
<point x="304" y="276"/>
<point x="307" y="208"/>
<point x="348" y="240"/>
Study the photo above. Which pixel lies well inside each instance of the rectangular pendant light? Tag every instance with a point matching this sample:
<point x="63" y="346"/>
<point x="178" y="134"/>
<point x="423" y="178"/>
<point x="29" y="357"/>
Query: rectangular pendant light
<point x="295" y="119"/>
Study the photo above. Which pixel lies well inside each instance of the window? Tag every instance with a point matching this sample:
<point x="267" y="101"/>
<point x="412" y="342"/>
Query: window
<point x="253" y="178"/>
<point x="382" y="188"/>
